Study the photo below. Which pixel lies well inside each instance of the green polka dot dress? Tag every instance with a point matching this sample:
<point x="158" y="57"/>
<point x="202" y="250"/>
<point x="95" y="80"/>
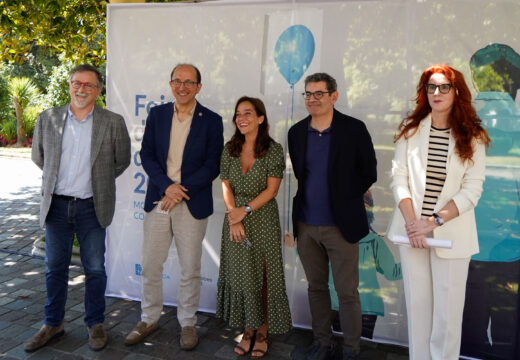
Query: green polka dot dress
<point x="239" y="297"/>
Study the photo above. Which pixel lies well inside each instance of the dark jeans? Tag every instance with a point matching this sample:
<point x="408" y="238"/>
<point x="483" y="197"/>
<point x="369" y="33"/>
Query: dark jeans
<point x="66" y="218"/>
<point x="316" y="246"/>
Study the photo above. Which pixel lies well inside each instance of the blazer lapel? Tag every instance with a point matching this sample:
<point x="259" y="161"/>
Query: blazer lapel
<point x="166" y="125"/>
<point x="60" y="121"/>
<point x="302" y="147"/>
<point x="424" y="138"/>
<point x="335" y="139"/>
<point x="99" y="128"/>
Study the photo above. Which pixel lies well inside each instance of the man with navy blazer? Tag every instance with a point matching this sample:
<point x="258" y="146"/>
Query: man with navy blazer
<point x="81" y="149"/>
<point x="334" y="162"/>
<point x="180" y="152"/>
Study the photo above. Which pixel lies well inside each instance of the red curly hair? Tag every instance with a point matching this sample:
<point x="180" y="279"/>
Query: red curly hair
<point x="464" y="123"/>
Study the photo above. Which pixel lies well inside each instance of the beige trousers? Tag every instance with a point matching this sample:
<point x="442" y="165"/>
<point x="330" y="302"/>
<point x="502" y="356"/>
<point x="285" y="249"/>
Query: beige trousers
<point x="188" y="234"/>
<point x="435" y="290"/>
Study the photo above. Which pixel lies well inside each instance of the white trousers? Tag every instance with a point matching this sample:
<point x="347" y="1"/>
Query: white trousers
<point x="435" y="289"/>
<point x="188" y="234"/>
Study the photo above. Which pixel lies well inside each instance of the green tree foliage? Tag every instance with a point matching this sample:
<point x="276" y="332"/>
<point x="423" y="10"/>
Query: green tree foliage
<point x="73" y="27"/>
<point x="23" y="93"/>
<point x="58" y="88"/>
<point x="5" y="99"/>
<point x="38" y="67"/>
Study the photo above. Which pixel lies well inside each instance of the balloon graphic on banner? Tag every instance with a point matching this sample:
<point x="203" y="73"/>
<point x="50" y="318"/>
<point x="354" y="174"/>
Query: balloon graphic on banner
<point x="293" y="52"/>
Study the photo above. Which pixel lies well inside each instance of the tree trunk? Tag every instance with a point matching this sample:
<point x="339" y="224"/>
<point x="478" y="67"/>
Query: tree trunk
<point x="21" y="136"/>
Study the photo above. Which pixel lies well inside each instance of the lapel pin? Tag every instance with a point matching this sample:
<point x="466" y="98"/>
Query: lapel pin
<point x="200" y="114"/>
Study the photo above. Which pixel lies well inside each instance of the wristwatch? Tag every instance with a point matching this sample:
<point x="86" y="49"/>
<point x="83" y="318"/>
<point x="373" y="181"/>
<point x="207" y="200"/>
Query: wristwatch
<point x="248" y="209"/>
<point x="438" y="219"/>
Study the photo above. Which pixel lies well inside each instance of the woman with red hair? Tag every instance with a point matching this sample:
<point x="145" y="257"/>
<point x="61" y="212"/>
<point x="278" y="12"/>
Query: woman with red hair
<point x="437" y="176"/>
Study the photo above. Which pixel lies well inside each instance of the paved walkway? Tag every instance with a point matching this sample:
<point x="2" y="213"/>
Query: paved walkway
<point x="22" y="296"/>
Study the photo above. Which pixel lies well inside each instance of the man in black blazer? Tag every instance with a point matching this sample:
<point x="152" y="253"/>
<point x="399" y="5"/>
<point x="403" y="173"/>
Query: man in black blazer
<point x="335" y="164"/>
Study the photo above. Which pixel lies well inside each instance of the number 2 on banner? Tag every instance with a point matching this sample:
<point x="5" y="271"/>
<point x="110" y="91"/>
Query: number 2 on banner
<point x="139" y="188"/>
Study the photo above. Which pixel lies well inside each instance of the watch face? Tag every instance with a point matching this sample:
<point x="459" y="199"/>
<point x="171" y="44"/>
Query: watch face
<point x="247" y="208"/>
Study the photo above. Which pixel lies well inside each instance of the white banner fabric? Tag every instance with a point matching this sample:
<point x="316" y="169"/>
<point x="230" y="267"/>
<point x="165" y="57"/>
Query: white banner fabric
<point x="376" y="50"/>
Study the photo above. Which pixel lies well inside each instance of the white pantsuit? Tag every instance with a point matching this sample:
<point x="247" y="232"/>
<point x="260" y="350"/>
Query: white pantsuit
<point x="435" y="279"/>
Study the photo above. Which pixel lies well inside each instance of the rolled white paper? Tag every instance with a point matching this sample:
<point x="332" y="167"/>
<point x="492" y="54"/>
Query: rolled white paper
<point x="437" y="243"/>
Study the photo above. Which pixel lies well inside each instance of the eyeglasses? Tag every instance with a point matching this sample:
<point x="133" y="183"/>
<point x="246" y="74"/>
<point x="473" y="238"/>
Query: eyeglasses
<point x="317" y="94"/>
<point x="187" y="83"/>
<point x="443" y="88"/>
<point x="88" y="86"/>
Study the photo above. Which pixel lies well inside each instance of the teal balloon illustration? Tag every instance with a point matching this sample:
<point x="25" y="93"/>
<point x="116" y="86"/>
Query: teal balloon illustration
<point x="293" y="52"/>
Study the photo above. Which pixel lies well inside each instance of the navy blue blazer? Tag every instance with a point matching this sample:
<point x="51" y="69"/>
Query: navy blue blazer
<point x="352" y="170"/>
<point x="200" y="160"/>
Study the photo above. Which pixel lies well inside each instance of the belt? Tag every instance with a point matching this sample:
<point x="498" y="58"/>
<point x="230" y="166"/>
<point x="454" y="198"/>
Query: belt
<point x="69" y="198"/>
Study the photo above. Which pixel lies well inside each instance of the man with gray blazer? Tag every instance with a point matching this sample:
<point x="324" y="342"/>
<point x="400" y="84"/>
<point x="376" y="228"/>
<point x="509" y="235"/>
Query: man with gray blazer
<point x="81" y="149"/>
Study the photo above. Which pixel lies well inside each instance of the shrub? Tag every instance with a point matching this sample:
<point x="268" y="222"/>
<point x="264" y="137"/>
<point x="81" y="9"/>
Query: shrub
<point x="8" y="130"/>
<point x="29" y="119"/>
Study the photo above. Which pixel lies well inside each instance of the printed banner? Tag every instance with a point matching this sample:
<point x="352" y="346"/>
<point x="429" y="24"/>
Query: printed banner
<point x="376" y="50"/>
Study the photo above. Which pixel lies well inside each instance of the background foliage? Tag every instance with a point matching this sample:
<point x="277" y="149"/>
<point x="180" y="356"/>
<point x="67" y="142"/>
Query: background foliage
<point x="42" y="40"/>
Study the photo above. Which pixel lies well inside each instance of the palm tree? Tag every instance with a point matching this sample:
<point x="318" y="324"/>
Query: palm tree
<point x="23" y="92"/>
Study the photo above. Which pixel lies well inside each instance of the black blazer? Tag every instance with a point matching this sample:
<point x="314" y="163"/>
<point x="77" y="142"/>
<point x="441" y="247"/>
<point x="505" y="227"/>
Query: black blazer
<point x="352" y="170"/>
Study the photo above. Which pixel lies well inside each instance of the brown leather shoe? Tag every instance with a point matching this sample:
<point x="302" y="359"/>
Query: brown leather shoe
<point x="43" y="336"/>
<point x="189" y="338"/>
<point x="97" y="337"/>
<point x="140" y="332"/>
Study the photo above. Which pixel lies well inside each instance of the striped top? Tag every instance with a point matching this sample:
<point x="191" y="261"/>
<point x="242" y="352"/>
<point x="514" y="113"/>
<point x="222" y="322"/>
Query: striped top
<point x="435" y="168"/>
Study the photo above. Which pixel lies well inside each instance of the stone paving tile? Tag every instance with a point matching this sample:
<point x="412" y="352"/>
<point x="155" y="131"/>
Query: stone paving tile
<point x="69" y="357"/>
<point x="72" y="340"/>
<point x="17" y="304"/>
<point x="7" y="344"/>
<point x="14" y="282"/>
<point x="139" y="357"/>
<point x="18" y="353"/>
<point x="29" y="319"/>
<point x="37" y="325"/>
<point x="34" y="309"/>
<point x="5" y="300"/>
<point x="4" y="324"/>
<point x="22" y="293"/>
<point x="46" y="353"/>
<point x="112" y="354"/>
<point x="85" y="352"/>
<point x="13" y="331"/>
<point x="25" y="335"/>
<point x="3" y="311"/>
<point x="12" y="315"/>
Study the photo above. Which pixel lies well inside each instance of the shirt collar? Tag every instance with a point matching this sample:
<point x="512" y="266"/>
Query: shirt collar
<point x="73" y="117"/>
<point x="191" y="111"/>
<point x="310" y="129"/>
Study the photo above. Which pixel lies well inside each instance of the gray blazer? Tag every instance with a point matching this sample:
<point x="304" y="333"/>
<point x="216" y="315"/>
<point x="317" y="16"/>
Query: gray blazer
<point x="110" y="156"/>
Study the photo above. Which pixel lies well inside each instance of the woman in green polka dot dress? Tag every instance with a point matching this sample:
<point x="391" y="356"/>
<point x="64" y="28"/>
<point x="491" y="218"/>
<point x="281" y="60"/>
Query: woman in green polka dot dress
<point x="251" y="286"/>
